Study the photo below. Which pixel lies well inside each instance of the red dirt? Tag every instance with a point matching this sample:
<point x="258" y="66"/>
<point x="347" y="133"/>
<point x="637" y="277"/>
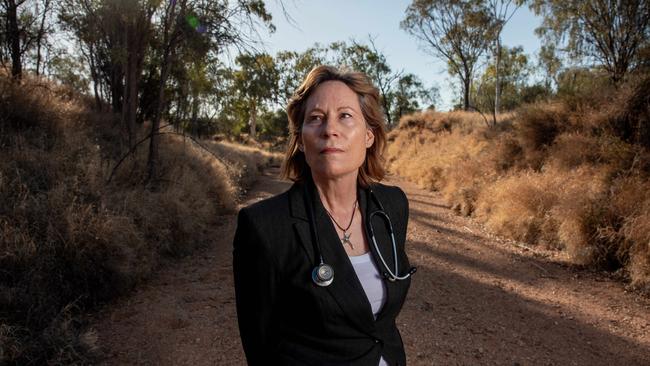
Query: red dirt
<point x="475" y="300"/>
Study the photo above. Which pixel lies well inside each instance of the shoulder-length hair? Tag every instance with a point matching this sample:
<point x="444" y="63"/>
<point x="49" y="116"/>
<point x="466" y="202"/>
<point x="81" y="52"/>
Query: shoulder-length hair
<point x="295" y="165"/>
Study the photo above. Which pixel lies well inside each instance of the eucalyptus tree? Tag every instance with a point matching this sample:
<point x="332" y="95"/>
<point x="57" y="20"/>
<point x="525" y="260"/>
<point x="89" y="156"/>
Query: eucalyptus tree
<point x="367" y="59"/>
<point x="501" y="11"/>
<point x="456" y="31"/>
<point x="294" y="66"/>
<point x="256" y="82"/>
<point x="26" y="25"/>
<point x="515" y="70"/>
<point x="121" y="37"/>
<point x="410" y="95"/>
<point x="611" y="32"/>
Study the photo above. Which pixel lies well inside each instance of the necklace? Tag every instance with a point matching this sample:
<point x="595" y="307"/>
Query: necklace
<point x="346" y="237"/>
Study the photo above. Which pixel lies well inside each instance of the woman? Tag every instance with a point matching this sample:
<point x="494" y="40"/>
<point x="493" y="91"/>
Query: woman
<point x="311" y="288"/>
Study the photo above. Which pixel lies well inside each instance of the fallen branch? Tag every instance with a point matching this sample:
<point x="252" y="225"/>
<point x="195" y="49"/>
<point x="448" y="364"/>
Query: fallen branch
<point x="133" y="148"/>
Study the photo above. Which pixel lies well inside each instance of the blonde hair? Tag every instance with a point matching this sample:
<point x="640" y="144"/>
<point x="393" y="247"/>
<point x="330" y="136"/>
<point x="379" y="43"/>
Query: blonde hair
<point x="295" y="165"/>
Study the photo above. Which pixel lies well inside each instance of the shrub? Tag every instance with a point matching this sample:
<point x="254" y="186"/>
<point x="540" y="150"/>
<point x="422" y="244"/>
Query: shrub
<point x="69" y="240"/>
<point x="571" y="175"/>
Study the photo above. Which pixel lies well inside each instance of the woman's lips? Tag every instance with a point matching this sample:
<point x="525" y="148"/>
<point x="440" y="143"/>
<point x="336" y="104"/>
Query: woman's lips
<point x="330" y="150"/>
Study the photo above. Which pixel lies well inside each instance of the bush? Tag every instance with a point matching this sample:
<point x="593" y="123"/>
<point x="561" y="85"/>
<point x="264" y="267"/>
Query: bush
<point x="629" y="116"/>
<point x="70" y="241"/>
<point x="570" y="174"/>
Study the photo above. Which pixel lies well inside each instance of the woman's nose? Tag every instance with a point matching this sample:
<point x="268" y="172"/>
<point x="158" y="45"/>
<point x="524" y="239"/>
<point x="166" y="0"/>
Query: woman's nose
<point x="331" y="127"/>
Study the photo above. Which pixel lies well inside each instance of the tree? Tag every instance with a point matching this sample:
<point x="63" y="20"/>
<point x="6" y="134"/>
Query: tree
<point x="400" y="93"/>
<point x="409" y="95"/>
<point x="25" y="28"/>
<point x="81" y="19"/>
<point x="167" y="41"/>
<point x="611" y="32"/>
<point x="367" y="59"/>
<point x="13" y="32"/>
<point x="222" y="23"/>
<point x="66" y="69"/>
<point x="256" y="82"/>
<point x="550" y="64"/>
<point x="44" y="29"/>
<point x="515" y="71"/>
<point x="501" y="12"/>
<point x="457" y="31"/>
<point x="293" y="67"/>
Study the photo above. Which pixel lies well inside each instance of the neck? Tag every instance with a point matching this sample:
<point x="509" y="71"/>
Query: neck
<point x="337" y="194"/>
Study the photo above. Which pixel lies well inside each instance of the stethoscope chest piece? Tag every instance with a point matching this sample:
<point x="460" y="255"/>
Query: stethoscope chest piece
<point x="323" y="275"/>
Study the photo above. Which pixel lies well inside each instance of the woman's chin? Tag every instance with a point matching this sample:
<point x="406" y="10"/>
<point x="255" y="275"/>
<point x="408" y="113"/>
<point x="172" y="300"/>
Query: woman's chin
<point x="333" y="172"/>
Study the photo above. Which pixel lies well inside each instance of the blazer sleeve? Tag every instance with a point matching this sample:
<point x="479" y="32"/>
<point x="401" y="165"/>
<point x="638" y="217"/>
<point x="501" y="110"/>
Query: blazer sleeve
<point x="255" y="288"/>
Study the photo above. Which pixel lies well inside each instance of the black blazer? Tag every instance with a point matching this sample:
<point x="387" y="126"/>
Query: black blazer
<point x="284" y="318"/>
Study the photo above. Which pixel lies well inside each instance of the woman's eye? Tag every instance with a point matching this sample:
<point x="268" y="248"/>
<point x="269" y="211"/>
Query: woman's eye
<point x="315" y="118"/>
<point x="345" y="115"/>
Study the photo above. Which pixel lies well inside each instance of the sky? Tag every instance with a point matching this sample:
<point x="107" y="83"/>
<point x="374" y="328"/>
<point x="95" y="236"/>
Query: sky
<point x="326" y="21"/>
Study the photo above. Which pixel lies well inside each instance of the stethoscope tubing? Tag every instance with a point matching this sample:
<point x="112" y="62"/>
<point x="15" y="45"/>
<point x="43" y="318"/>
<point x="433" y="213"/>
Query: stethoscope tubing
<point x="325" y="268"/>
<point x="390" y="275"/>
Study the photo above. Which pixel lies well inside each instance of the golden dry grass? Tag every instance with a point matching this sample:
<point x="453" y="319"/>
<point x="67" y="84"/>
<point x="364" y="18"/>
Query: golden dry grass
<point x="550" y="174"/>
<point x="68" y="239"/>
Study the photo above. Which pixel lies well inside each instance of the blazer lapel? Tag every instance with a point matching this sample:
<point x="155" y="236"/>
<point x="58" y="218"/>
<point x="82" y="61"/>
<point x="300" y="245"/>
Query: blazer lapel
<point x="346" y="288"/>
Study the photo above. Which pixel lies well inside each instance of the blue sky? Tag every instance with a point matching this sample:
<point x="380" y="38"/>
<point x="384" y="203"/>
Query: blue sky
<point x="326" y="21"/>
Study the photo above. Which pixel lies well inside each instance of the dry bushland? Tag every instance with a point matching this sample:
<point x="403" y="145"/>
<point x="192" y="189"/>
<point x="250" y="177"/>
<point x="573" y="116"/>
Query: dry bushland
<point x="68" y="239"/>
<point x="570" y="175"/>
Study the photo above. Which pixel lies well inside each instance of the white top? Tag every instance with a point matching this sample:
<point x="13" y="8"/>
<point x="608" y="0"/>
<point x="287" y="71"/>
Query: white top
<point x="372" y="283"/>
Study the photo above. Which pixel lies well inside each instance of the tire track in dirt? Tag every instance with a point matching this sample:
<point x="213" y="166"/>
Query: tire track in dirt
<point x="476" y="299"/>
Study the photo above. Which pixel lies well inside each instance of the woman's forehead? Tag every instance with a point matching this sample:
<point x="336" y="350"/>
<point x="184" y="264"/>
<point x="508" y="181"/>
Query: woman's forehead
<point x="333" y="94"/>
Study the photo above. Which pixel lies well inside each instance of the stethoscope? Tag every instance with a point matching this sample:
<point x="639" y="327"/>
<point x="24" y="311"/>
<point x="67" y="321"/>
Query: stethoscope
<point x="323" y="274"/>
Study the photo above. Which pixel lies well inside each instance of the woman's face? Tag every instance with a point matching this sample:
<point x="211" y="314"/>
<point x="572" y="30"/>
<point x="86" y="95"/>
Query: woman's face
<point x="334" y="135"/>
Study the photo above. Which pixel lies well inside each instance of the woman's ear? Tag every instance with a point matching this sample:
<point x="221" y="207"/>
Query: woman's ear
<point x="300" y="145"/>
<point x="370" y="137"/>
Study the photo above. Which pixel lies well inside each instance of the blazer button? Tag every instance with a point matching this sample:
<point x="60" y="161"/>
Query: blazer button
<point x="377" y="340"/>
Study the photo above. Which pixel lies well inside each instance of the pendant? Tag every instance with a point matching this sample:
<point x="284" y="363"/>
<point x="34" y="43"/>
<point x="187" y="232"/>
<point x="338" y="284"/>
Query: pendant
<point x="346" y="239"/>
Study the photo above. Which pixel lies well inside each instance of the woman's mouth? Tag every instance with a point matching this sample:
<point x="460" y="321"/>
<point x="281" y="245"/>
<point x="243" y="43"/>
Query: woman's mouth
<point x="331" y="150"/>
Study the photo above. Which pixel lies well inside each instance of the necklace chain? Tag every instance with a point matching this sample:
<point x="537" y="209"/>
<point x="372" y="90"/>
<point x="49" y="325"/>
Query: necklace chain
<point x="346" y="237"/>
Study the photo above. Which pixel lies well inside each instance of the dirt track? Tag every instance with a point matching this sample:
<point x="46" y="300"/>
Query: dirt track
<point x="475" y="300"/>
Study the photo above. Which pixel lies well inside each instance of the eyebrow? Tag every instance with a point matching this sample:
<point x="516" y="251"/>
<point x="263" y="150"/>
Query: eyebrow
<point x="317" y="109"/>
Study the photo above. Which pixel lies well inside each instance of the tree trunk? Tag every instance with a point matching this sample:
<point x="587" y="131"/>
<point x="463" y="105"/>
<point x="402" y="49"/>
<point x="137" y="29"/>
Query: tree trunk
<point x="94" y="75"/>
<point x="117" y="87"/>
<point x="152" y="162"/>
<point x="387" y="111"/>
<point x="253" y="119"/>
<point x="131" y="97"/>
<point x="195" y="117"/>
<point x="40" y="35"/>
<point x="466" y="89"/>
<point x="497" y="87"/>
<point x="13" y="35"/>
<point x="136" y="39"/>
<point x="169" y="42"/>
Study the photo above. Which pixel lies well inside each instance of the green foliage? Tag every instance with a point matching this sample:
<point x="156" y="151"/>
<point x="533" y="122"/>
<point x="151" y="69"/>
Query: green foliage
<point x="612" y="33"/>
<point x="456" y="31"/>
<point x="550" y="64"/>
<point x="410" y="95"/>
<point x="65" y="68"/>
<point x="400" y="93"/>
<point x="581" y="84"/>
<point x="514" y="74"/>
<point x="274" y="124"/>
<point x="293" y="67"/>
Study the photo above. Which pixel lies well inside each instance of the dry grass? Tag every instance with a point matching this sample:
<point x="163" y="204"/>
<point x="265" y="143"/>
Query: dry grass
<point x="69" y="240"/>
<point x="555" y="175"/>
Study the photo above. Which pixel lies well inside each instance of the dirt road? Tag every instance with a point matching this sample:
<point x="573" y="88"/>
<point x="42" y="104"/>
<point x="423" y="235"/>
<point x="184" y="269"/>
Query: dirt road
<point x="475" y="300"/>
